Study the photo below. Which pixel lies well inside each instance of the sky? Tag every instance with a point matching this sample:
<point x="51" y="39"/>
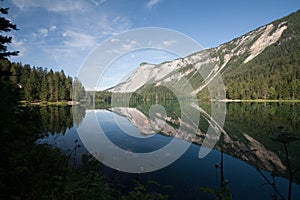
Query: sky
<point x="61" y="34"/>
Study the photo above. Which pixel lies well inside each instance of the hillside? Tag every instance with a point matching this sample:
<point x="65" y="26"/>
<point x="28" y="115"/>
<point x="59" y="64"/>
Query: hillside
<point x="262" y="64"/>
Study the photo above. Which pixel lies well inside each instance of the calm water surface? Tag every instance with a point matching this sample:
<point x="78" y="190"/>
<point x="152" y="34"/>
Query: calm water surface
<point x="248" y="162"/>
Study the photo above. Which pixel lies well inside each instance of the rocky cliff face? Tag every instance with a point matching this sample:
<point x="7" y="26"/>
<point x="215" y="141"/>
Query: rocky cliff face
<point x="200" y="68"/>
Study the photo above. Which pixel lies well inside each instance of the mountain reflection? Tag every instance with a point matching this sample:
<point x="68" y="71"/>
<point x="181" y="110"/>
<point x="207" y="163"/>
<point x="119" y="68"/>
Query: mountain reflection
<point x="258" y="144"/>
<point x="248" y="133"/>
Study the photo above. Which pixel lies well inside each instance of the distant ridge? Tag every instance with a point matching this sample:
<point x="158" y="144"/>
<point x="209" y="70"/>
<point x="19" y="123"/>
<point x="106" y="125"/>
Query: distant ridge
<point x="262" y="64"/>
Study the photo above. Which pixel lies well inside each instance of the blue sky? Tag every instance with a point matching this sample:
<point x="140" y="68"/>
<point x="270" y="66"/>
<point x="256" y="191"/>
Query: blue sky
<point x="60" y="34"/>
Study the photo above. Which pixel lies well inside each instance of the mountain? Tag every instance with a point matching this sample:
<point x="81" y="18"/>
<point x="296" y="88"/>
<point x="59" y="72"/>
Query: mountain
<point x="262" y="64"/>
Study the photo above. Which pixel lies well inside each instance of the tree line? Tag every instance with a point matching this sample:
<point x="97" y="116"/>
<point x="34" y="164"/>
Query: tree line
<point x="39" y="84"/>
<point x="275" y="74"/>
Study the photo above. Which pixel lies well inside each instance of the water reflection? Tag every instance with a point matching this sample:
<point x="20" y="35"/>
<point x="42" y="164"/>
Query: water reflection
<point x="250" y="135"/>
<point x="286" y="138"/>
<point x="57" y="119"/>
<point x="254" y="147"/>
<point x="57" y="127"/>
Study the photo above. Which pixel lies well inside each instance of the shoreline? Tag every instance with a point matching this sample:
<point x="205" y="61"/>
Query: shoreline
<point x="72" y="103"/>
<point x="260" y="100"/>
<point x="50" y="103"/>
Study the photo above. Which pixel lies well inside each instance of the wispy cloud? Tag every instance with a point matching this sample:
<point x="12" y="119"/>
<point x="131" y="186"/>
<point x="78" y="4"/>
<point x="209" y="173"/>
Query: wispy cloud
<point x="127" y="46"/>
<point x="52" y="6"/>
<point x="52" y="28"/>
<point x="114" y="40"/>
<point x="18" y="45"/>
<point x="152" y="3"/>
<point x="63" y="32"/>
<point x="112" y="26"/>
<point x="97" y="2"/>
<point x="43" y="32"/>
<point x="122" y="46"/>
<point x="76" y="39"/>
<point x="169" y="42"/>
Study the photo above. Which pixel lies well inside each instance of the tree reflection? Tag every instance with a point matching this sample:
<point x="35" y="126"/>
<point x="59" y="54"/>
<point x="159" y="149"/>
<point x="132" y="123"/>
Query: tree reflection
<point x="224" y="192"/>
<point x="80" y="114"/>
<point x="74" y="152"/>
<point x="286" y="138"/>
<point x="57" y="119"/>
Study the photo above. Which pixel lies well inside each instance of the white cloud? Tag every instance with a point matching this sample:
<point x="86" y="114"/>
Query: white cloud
<point x="114" y="40"/>
<point x="152" y="3"/>
<point x="43" y="32"/>
<point x="65" y="38"/>
<point x="114" y="51"/>
<point x="169" y="42"/>
<point x="52" y="28"/>
<point x="97" y="2"/>
<point x="112" y="26"/>
<point x="63" y="6"/>
<point x="127" y="46"/>
<point x="18" y="46"/>
<point x="76" y="39"/>
<point x="122" y="46"/>
<point x="81" y="15"/>
<point x="34" y="35"/>
<point x="51" y="5"/>
<point x="116" y="19"/>
<point x="19" y="3"/>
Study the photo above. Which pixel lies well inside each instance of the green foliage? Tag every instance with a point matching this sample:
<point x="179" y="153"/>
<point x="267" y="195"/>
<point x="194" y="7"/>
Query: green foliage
<point x="274" y="74"/>
<point x="39" y="84"/>
<point x="44" y="93"/>
<point x="222" y="194"/>
<point x="78" y="90"/>
<point x="141" y="192"/>
<point x="153" y="93"/>
<point x="104" y="96"/>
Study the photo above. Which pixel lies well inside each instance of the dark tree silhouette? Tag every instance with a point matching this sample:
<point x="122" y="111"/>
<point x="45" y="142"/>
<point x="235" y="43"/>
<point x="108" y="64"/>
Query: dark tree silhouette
<point x="6" y="26"/>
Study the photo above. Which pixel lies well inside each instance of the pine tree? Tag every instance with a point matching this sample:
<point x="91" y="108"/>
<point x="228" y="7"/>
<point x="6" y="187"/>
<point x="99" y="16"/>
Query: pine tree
<point x="44" y="94"/>
<point x="51" y="85"/>
<point x="31" y="87"/>
<point x="78" y="89"/>
<point x="6" y="26"/>
<point x="4" y="70"/>
<point x="62" y="88"/>
<point x="69" y="86"/>
<point x="56" y="86"/>
<point x="15" y="71"/>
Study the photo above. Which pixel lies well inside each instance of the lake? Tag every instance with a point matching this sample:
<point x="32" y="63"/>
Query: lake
<point x="255" y="155"/>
